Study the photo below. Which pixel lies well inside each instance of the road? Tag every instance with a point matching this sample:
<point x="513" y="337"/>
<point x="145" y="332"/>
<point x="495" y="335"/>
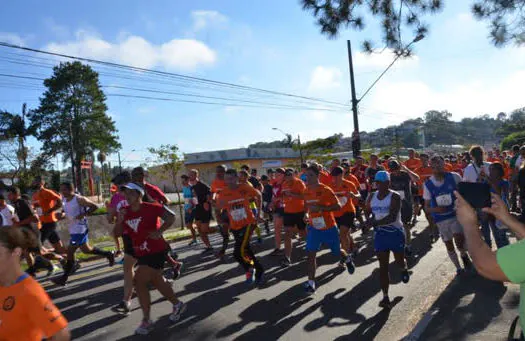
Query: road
<point x="222" y="306"/>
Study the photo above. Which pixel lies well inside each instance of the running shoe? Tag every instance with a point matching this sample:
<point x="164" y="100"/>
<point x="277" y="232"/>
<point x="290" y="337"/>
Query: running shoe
<point x="250" y="276"/>
<point x="178" y="310"/>
<point x="144" y="328"/>
<point x="60" y="281"/>
<point x="174" y="255"/>
<point x="118" y="253"/>
<point x="76" y="267"/>
<point x="259" y="278"/>
<point x="207" y="250"/>
<point x="111" y="258"/>
<point x="193" y="242"/>
<point x="308" y="288"/>
<point x="276" y="252"/>
<point x="177" y="270"/>
<point x="405" y="276"/>
<point x="385" y="303"/>
<point x="51" y="270"/>
<point x="286" y="262"/>
<point x="350" y="266"/>
<point x="123" y="308"/>
<point x="467" y="263"/>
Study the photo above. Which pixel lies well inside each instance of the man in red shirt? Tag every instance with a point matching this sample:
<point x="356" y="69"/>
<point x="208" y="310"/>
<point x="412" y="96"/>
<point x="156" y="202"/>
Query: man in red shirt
<point x="138" y="175"/>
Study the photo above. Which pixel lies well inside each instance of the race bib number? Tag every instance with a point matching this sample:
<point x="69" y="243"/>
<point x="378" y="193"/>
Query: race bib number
<point x="239" y="214"/>
<point x="363" y="187"/>
<point x="401" y="194"/>
<point x="318" y="223"/>
<point x="343" y="200"/>
<point x="444" y="200"/>
<point x="39" y="211"/>
<point x="195" y="201"/>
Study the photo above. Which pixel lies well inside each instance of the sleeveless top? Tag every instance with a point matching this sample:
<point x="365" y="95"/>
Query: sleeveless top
<point x="73" y="209"/>
<point x="381" y="209"/>
<point x="443" y="196"/>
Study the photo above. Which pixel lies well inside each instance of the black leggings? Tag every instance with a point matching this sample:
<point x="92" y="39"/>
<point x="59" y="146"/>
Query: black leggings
<point x="242" y="250"/>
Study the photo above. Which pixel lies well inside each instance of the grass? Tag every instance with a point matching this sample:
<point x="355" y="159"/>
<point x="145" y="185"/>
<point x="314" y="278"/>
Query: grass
<point x="103" y="210"/>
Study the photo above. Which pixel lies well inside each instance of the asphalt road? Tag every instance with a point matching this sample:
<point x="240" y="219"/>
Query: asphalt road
<point x="222" y="306"/>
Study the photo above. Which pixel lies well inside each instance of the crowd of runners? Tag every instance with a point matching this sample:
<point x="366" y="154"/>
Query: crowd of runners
<point x="316" y="205"/>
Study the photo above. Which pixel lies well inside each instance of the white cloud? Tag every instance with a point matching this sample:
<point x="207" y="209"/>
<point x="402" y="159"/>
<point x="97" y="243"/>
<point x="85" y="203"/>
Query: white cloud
<point x="12" y="38"/>
<point x="363" y="60"/>
<point x="205" y="19"/>
<point x="176" y="54"/>
<point x="325" y="78"/>
<point x="412" y="99"/>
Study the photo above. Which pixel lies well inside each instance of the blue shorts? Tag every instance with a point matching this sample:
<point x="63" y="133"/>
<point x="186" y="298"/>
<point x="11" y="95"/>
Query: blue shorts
<point x="189" y="216"/>
<point x="389" y="238"/>
<point x="254" y="211"/>
<point x="315" y="238"/>
<point x="79" y="239"/>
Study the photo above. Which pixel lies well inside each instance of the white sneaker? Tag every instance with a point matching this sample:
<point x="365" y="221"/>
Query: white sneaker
<point x="178" y="310"/>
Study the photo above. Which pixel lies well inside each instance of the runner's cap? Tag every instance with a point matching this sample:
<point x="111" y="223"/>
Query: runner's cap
<point x="133" y="186"/>
<point x="382" y="176"/>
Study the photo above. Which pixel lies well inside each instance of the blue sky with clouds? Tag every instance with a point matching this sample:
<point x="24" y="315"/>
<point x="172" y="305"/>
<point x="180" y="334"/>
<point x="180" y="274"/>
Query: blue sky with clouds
<point x="267" y="44"/>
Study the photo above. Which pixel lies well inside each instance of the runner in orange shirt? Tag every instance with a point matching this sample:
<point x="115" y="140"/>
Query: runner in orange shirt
<point x="321" y="203"/>
<point x="346" y="192"/>
<point x="425" y="172"/>
<point x="292" y="193"/>
<point x="235" y="200"/>
<point x="217" y="185"/>
<point x="448" y="166"/>
<point x="28" y="313"/>
<point x="324" y="176"/>
<point x="47" y="202"/>
<point x="412" y="163"/>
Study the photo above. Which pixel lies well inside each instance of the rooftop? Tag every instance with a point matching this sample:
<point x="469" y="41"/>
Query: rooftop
<point x="240" y="154"/>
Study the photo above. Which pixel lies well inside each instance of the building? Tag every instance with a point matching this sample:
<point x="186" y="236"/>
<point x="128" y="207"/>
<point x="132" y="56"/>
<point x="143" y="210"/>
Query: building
<point x="206" y="162"/>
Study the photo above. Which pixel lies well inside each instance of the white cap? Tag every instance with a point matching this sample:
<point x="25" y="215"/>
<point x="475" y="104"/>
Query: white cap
<point x="133" y="186"/>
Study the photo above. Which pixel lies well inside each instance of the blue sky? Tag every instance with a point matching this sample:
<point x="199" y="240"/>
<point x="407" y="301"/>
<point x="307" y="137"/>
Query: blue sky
<point x="267" y="44"/>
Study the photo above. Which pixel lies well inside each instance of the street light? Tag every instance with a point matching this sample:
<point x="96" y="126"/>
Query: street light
<point x="298" y="142"/>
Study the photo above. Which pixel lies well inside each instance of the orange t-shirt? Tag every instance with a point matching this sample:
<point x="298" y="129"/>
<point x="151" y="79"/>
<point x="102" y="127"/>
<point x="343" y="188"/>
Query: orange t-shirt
<point x="27" y="313"/>
<point x="352" y="178"/>
<point x="413" y="164"/>
<point x="237" y="203"/>
<point x="291" y="204"/>
<point x="325" y="178"/>
<point x="44" y="200"/>
<point x="342" y="192"/>
<point x="323" y="196"/>
<point x="424" y="173"/>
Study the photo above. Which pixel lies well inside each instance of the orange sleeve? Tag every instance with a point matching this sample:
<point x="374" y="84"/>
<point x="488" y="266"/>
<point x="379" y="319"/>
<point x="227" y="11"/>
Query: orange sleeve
<point x="300" y="187"/>
<point x="42" y="312"/>
<point x="329" y="197"/>
<point x="51" y="195"/>
<point x="252" y="191"/>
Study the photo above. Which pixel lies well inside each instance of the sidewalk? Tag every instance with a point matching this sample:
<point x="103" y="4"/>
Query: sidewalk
<point x="470" y="308"/>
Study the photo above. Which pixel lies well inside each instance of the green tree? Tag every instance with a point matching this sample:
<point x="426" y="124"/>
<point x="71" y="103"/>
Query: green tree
<point x="169" y="162"/>
<point x="401" y="18"/>
<point x="514" y="123"/>
<point x="411" y="140"/>
<point x="72" y="119"/>
<point x="512" y="139"/>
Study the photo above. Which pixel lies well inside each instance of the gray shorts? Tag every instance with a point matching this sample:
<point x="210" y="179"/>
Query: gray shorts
<point x="448" y="228"/>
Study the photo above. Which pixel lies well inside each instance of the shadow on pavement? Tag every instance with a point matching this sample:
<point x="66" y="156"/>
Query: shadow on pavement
<point x="468" y="305"/>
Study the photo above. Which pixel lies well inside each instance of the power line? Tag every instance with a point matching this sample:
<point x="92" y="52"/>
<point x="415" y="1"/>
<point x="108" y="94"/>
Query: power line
<point x="197" y="79"/>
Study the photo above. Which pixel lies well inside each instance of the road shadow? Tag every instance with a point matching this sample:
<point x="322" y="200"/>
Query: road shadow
<point x="456" y="319"/>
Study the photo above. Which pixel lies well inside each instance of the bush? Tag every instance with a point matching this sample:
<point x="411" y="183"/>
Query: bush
<point x="512" y="139"/>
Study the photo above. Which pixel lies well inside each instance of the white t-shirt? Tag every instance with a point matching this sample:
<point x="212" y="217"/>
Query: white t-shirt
<point x="472" y="172"/>
<point x="7" y="213"/>
<point x="518" y="163"/>
<point x="426" y="192"/>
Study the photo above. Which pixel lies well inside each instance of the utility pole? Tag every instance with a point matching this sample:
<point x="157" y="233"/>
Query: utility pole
<point x="119" y="163"/>
<point x="300" y="148"/>
<point x="356" y="141"/>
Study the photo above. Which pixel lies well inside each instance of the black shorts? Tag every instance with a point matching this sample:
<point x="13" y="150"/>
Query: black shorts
<point x="128" y="245"/>
<point x="279" y="212"/>
<point x="154" y="260"/>
<point x="407" y="210"/>
<point x="418" y="199"/>
<point x="34" y="231"/>
<point x="224" y="217"/>
<point x="266" y="207"/>
<point x="201" y="215"/>
<point x="294" y="219"/>
<point x="346" y="219"/>
<point x="49" y="232"/>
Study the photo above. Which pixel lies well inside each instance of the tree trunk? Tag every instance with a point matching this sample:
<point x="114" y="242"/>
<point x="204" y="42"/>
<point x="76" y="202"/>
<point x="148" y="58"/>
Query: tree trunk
<point x="79" y="176"/>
